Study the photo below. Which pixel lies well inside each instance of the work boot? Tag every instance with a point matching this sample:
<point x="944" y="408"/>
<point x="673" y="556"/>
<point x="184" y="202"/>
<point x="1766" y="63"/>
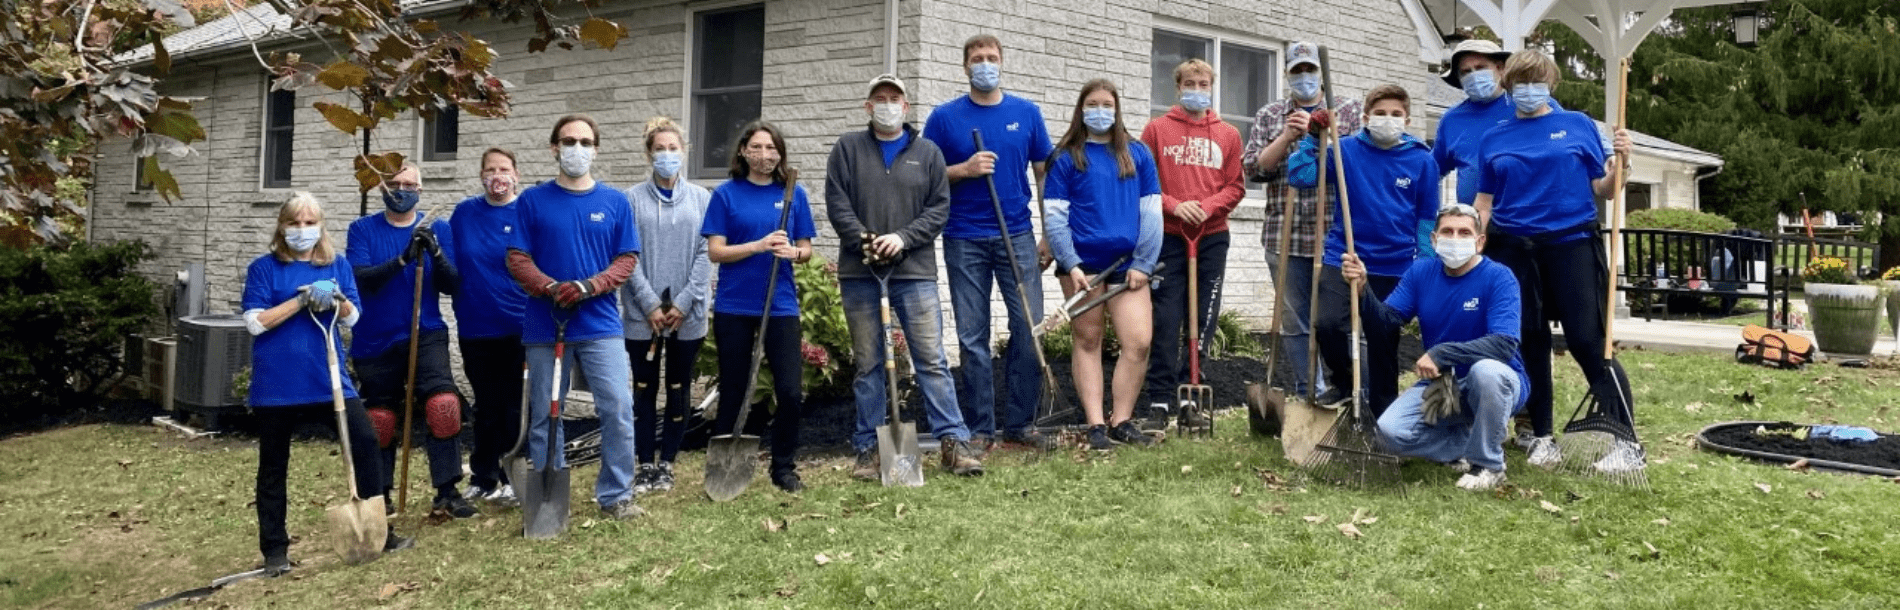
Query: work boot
<point x="277" y="562"/>
<point x="453" y="504"/>
<point x="788" y="481"/>
<point x="959" y="459"/>
<point x="395" y="543"/>
<point x="1126" y="434"/>
<point x="624" y="510"/>
<point x="1031" y="438"/>
<point x="866" y="467"/>
<point x="982" y="444"/>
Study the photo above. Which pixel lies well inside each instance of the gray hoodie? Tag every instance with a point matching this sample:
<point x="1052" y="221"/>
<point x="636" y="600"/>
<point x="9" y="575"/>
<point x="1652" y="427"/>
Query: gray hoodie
<point x="910" y="198"/>
<point x="672" y="255"/>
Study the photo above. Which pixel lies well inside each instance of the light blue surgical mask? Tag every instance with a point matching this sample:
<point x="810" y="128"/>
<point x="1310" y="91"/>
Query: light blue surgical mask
<point x="1305" y="85"/>
<point x="666" y="163"/>
<point x="1196" y="100"/>
<point x="1098" y="119"/>
<point x="1530" y="97"/>
<point x="985" y="76"/>
<point x="576" y="160"/>
<point x="1481" y="85"/>
<point x="302" y="239"/>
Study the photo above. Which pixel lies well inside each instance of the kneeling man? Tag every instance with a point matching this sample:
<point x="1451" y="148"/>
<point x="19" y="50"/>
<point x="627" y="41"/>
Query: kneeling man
<point x="1468" y="310"/>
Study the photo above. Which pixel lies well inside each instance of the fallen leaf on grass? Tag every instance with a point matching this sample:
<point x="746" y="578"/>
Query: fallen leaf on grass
<point x="1694" y="407"/>
<point x="1800" y="465"/>
<point x="1350" y="531"/>
<point x="791" y="586"/>
<point x="1186" y="468"/>
<point x="390" y="590"/>
<point x="126" y="463"/>
<point x="1277" y="509"/>
<point x="773" y="525"/>
<point x="1662" y="522"/>
<point x="1314" y="518"/>
<point x="1362" y="516"/>
<point x="1611" y="575"/>
<point x="1816" y="494"/>
<point x="1649" y="552"/>
<point x="1235" y="492"/>
<point x="1764" y="487"/>
<point x="821" y="559"/>
<point x="1550" y="508"/>
<point x="900" y="512"/>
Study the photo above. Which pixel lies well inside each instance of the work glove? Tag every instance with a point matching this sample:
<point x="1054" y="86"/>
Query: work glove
<point x="1319" y="120"/>
<point x="421" y="243"/>
<point x="570" y="293"/>
<point x="319" y="296"/>
<point x="1441" y="399"/>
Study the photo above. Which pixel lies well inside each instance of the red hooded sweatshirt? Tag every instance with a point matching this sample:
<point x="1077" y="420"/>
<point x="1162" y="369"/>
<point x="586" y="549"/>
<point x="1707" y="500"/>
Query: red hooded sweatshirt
<point x="1199" y="160"/>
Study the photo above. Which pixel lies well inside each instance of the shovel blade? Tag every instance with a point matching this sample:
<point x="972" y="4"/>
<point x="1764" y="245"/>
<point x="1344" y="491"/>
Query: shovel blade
<point x="358" y="529"/>
<point x="730" y="462"/>
<point x="1302" y="427"/>
<point x="901" y="459"/>
<point x="544" y="503"/>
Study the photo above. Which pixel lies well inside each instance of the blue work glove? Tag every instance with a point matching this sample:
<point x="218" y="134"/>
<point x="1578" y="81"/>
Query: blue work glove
<point x="1845" y="433"/>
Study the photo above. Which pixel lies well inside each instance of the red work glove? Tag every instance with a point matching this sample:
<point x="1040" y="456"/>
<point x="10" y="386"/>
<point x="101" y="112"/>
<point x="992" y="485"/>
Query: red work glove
<point x="566" y="294"/>
<point x="1319" y="120"/>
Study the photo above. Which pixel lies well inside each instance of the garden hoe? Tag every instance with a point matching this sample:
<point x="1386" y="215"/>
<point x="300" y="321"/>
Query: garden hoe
<point x="1051" y="392"/>
<point x="901" y="461"/>
<point x="732" y="457"/>
<point x="1196" y="400"/>
<point x="544" y="499"/>
<point x="358" y="527"/>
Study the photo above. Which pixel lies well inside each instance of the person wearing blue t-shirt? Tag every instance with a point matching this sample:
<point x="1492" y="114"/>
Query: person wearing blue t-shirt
<point x="288" y="293"/>
<point x="1475" y="65"/>
<point x="488" y="322"/>
<point x="1014" y="139"/>
<point x="1104" y="205"/>
<point x="1467" y="310"/>
<point x="574" y="246"/>
<point x="387" y="250"/>
<point x="1392" y="184"/>
<point x="1540" y="176"/>
<point x="664" y="305"/>
<point x="743" y="236"/>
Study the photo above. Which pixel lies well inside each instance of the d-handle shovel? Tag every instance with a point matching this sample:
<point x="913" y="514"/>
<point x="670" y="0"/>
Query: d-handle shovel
<point x="544" y="509"/>
<point x="901" y="460"/>
<point x="515" y="462"/>
<point x="731" y="457"/>
<point x="1196" y="400"/>
<point x="358" y="527"/>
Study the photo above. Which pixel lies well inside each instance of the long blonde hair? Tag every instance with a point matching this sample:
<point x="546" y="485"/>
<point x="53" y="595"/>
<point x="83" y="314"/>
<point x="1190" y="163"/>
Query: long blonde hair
<point x="301" y="201"/>
<point x="660" y="124"/>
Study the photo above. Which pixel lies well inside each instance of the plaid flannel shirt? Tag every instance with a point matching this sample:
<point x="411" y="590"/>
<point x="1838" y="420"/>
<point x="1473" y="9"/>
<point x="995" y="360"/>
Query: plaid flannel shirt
<point x="1347" y="116"/>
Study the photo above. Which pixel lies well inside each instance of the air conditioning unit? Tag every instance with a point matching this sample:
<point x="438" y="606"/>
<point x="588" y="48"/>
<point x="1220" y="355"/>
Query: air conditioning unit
<point x="212" y="349"/>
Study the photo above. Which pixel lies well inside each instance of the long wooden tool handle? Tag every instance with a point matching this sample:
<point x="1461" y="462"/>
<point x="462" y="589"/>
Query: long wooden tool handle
<point x="1616" y="213"/>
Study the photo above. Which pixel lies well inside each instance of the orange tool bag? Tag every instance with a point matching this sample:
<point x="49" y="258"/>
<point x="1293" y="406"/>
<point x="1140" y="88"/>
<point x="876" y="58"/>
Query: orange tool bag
<point x="1769" y="347"/>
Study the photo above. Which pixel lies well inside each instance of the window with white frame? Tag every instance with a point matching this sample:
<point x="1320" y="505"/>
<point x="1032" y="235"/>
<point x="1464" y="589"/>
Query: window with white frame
<point x="279" y="122"/>
<point x="1246" y="72"/>
<point x="728" y="82"/>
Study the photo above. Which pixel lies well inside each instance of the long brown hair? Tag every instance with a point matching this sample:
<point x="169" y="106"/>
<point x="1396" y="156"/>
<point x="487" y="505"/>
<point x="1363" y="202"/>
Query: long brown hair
<point x="1076" y="140"/>
<point x="323" y="253"/>
<point x="740" y="169"/>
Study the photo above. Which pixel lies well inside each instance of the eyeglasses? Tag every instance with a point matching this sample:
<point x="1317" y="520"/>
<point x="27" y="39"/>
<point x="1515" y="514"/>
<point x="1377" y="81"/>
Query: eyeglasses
<point x="587" y="142"/>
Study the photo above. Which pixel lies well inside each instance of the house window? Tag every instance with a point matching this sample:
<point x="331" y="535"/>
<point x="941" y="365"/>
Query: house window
<point x="140" y="182"/>
<point x="1246" y="73"/>
<point x="439" y="134"/>
<point x="279" y="120"/>
<point x="728" y="80"/>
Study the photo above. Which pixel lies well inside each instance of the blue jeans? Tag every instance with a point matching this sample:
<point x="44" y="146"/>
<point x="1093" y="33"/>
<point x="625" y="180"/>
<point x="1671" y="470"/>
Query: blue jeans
<point x="974" y="264"/>
<point x="1488" y="395"/>
<point x="604" y="362"/>
<point x="1295" y="284"/>
<point x="914" y="304"/>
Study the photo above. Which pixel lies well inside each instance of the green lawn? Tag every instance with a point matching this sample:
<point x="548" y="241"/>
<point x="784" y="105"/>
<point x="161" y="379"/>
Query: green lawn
<point x="109" y="516"/>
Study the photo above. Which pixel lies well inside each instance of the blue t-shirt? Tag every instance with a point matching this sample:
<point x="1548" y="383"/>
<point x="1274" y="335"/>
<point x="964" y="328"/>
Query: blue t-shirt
<point x="489" y="303"/>
<point x="373" y="241"/>
<point x="288" y="364"/>
<point x="1104" y="211"/>
<point x="1456" y="145"/>
<point x="890" y="148"/>
<point x="573" y="236"/>
<point x="743" y="212"/>
<point x="1392" y="191"/>
<point x="1538" y="172"/>
<point x="1013" y="129"/>
<point x="1483" y="301"/>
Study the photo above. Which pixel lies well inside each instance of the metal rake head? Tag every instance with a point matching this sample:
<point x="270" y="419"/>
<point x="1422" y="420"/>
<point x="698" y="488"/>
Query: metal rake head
<point x="1349" y="457"/>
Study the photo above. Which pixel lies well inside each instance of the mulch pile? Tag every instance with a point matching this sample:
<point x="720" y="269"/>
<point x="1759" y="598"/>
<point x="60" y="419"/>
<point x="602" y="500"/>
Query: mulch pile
<point x="1881" y="453"/>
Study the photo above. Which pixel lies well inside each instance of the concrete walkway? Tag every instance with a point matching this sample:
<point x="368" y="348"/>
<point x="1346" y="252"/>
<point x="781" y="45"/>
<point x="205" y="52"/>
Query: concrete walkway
<point x="1679" y="336"/>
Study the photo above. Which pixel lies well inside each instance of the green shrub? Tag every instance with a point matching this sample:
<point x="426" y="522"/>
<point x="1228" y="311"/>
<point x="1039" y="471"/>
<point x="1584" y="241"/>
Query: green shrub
<point x="1679" y="220"/>
<point x="1232" y="339"/>
<point x="64" y="315"/>
<point x="826" y="348"/>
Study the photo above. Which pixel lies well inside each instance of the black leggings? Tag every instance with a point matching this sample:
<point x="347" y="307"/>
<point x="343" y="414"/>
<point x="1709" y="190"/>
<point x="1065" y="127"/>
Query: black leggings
<point x="734" y="335"/>
<point x="1562" y="282"/>
<point x="1334" y="331"/>
<point x="494" y="373"/>
<point x="274" y="425"/>
<point x="678" y="355"/>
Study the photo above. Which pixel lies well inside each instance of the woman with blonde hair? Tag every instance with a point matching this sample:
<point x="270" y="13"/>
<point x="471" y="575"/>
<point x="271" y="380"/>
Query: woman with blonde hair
<point x="290" y="294"/>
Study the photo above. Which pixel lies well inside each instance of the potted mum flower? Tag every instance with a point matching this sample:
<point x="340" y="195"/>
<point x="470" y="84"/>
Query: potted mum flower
<point x="1845" y="315"/>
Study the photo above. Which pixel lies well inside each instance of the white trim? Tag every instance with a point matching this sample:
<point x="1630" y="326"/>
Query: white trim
<point x="1215" y="37"/>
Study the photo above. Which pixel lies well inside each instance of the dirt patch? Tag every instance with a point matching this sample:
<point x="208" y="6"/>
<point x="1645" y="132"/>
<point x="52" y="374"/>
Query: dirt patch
<point x="1883" y="452"/>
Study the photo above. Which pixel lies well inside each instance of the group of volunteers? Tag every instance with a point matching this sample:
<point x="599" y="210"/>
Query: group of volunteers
<point x="632" y="281"/>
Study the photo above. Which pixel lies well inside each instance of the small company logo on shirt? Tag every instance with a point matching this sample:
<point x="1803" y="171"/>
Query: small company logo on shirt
<point x="1559" y="135"/>
<point x="507" y="228"/>
<point x="911" y="162"/>
<point x="1403" y="182"/>
<point x="597" y="216"/>
<point x="1013" y="126"/>
<point x="1471" y="305"/>
<point x="778" y="205"/>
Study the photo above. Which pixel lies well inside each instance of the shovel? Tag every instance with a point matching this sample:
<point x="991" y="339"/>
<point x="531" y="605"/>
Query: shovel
<point x="358" y="527"/>
<point x="1195" y="399"/>
<point x="515" y="462"/>
<point x="731" y="457"/>
<point x="544" y="502"/>
<point x="1270" y="410"/>
<point x="897" y="452"/>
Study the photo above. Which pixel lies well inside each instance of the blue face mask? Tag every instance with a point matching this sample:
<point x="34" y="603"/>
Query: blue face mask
<point x="1098" y="119"/>
<point x="400" y="201"/>
<point x="1530" y="97"/>
<point x="985" y="76"/>
<point x="1305" y="85"/>
<point x="1195" y="100"/>
<point x="666" y="163"/>
<point x="1481" y="85"/>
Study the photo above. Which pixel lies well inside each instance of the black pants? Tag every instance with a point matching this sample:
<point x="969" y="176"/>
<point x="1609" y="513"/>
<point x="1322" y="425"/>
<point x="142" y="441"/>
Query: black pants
<point x="1562" y="282"/>
<point x="1167" y="362"/>
<point x="274" y="425"/>
<point x="1334" y="330"/>
<point x="734" y="335"/>
<point x="494" y="369"/>
<point x="382" y="379"/>
<point x="678" y="357"/>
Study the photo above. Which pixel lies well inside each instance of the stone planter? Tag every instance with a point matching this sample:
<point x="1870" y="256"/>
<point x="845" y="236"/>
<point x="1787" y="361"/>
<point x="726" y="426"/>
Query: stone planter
<point x="1892" y="288"/>
<point x="1845" y="317"/>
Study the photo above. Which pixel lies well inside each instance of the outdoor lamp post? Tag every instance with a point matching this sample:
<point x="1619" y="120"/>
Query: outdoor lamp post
<point x="1747" y="22"/>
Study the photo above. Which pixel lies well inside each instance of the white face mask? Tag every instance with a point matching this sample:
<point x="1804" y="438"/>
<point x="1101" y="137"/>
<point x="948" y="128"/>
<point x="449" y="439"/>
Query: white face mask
<point x="576" y="160"/>
<point x="889" y="117"/>
<point x="1455" y="252"/>
<point x="1385" y="130"/>
<point x="302" y="239"/>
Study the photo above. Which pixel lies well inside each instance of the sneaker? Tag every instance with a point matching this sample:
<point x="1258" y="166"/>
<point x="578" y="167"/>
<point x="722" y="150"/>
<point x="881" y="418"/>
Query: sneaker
<point x="788" y="481"/>
<point x="395" y="543"/>
<point x="1126" y="434"/>
<point x="455" y="506"/>
<point x="1481" y="479"/>
<point x="643" y="478"/>
<point x="1334" y="398"/>
<point x="476" y="493"/>
<point x="1031" y="438"/>
<point x="1624" y="457"/>
<point x="277" y="562"/>
<point x="624" y="510"/>
<point x="1545" y="453"/>
<point x="503" y="496"/>
<point x="1154" y="417"/>
<point x="959" y="459"/>
<point x="1460" y="465"/>
<point x="866" y="467"/>
<point x="663" y="477"/>
<point x="1098" y="438"/>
